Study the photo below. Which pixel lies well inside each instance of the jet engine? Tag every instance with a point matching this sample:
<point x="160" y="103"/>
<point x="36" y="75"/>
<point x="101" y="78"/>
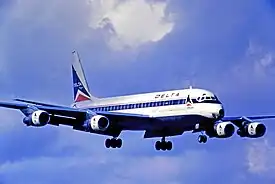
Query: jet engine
<point x="252" y="130"/>
<point x="221" y="130"/>
<point x="97" y="123"/>
<point x="37" y="118"/>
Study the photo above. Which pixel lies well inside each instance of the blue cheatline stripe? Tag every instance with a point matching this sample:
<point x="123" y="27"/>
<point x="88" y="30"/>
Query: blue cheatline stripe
<point x="149" y="104"/>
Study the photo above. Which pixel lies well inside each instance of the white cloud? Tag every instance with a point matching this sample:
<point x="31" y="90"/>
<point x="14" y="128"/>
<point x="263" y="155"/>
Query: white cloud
<point x="260" y="158"/>
<point x="131" y="23"/>
<point x="113" y="167"/>
<point x="262" y="59"/>
<point x="127" y="23"/>
<point x="257" y="65"/>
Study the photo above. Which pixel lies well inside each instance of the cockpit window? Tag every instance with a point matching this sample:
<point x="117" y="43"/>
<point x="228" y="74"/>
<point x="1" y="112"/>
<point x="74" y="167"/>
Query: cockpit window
<point x="207" y="99"/>
<point x="204" y="97"/>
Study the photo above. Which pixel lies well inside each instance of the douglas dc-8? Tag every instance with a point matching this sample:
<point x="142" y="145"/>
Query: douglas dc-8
<point x="158" y="114"/>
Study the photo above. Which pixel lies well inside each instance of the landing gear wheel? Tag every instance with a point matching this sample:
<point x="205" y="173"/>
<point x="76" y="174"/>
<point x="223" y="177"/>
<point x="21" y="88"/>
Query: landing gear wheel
<point x="158" y="145"/>
<point x="108" y="143"/>
<point x="169" y="145"/>
<point x="118" y="143"/>
<point x="202" y="139"/>
<point x="163" y="145"/>
<point x="113" y="143"/>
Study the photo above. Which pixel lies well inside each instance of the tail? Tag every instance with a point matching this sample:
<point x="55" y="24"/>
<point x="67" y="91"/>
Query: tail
<point x="80" y="86"/>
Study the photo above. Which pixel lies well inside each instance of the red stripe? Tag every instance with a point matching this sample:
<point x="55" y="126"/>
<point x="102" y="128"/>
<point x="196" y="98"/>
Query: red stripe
<point x="81" y="98"/>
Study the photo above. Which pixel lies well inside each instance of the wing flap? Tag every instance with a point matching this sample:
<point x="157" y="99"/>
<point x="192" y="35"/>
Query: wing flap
<point x="161" y="133"/>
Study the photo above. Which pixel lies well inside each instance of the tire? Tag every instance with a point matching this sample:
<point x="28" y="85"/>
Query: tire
<point x="158" y="145"/>
<point x="204" y="140"/>
<point x="200" y="139"/>
<point x="169" y="145"/>
<point x="118" y="143"/>
<point x="113" y="143"/>
<point x="108" y="143"/>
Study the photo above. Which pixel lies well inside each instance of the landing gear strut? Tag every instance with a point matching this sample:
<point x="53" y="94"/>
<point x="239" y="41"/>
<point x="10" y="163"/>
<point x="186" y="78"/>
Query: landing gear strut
<point x="113" y="143"/>
<point x="163" y="145"/>
<point x="202" y="139"/>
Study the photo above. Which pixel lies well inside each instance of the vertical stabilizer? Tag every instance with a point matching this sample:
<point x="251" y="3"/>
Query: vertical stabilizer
<point x="80" y="86"/>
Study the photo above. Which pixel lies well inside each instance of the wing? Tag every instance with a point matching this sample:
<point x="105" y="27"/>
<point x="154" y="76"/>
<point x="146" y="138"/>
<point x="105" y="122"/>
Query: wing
<point x="71" y="112"/>
<point x="37" y="103"/>
<point x="75" y="117"/>
<point x="237" y="120"/>
<point x="53" y="110"/>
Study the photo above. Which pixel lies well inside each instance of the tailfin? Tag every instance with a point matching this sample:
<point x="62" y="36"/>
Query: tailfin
<point x="80" y="85"/>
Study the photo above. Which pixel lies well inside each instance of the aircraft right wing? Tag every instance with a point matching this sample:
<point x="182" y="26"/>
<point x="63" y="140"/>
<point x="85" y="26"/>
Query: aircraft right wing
<point x="36" y="103"/>
<point x="237" y="120"/>
<point x="124" y="120"/>
<point x="119" y="121"/>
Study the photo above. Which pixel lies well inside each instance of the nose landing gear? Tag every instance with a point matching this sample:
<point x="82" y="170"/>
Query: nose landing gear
<point x="202" y="139"/>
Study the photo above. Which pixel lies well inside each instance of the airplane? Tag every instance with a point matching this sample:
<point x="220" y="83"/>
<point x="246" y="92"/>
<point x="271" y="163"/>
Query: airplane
<point x="158" y="114"/>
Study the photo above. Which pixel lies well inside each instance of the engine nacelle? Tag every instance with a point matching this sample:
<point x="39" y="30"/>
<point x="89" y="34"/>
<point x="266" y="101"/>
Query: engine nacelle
<point x="252" y="130"/>
<point x="37" y="118"/>
<point x="97" y="123"/>
<point x="224" y="129"/>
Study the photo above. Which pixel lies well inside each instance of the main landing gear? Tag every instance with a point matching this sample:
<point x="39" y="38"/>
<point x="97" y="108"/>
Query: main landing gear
<point x="113" y="143"/>
<point x="163" y="145"/>
<point x="202" y="139"/>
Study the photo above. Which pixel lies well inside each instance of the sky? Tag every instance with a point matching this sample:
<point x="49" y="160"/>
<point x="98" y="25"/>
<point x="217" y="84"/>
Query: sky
<point x="136" y="46"/>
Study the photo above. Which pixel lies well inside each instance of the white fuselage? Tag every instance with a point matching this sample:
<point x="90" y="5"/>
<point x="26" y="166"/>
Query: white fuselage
<point x="161" y="104"/>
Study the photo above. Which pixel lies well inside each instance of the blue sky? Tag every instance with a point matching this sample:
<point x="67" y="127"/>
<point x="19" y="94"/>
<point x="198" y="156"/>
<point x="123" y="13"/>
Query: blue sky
<point x="129" y="47"/>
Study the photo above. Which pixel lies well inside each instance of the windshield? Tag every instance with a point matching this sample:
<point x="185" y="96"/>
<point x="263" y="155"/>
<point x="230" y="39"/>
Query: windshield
<point x="208" y="99"/>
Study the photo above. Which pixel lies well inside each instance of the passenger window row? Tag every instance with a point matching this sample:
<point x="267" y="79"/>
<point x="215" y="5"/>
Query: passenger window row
<point x="151" y="104"/>
<point x="139" y="105"/>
